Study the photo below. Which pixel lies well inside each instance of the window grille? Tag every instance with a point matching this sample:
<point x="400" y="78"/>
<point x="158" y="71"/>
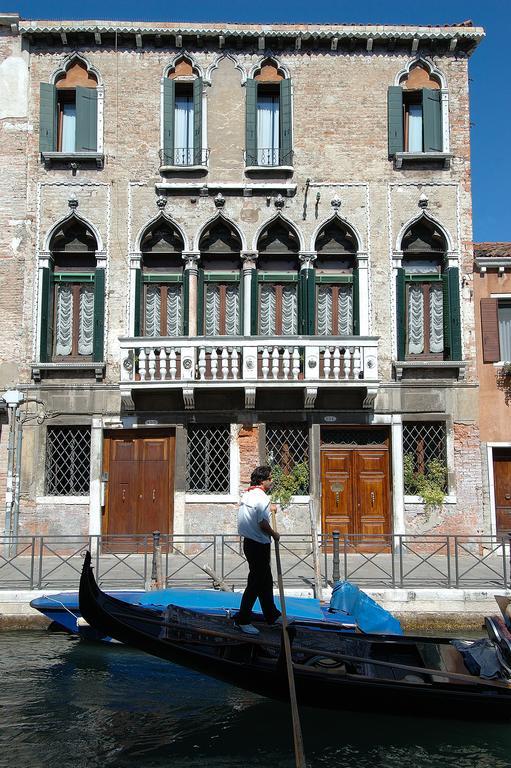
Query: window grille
<point x="423" y="442"/>
<point x="354" y="437"/>
<point x="208" y="459"/>
<point x="286" y="446"/>
<point x="68" y="461"/>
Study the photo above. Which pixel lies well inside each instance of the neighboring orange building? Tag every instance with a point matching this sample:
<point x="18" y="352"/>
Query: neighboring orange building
<point x="492" y="298"/>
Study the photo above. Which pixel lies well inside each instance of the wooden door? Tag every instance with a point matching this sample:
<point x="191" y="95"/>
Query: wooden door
<point x="140" y="487"/>
<point x="502" y="484"/>
<point x="355" y="494"/>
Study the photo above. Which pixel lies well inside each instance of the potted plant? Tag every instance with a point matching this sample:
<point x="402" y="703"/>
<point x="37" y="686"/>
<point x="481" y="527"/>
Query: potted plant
<point x="429" y="484"/>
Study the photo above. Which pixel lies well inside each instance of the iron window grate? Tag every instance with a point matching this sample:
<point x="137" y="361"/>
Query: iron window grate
<point x="287" y="445"/>
<point x="353" y="437"/>
<point x="424" y="442"/>
<point x="208" y="459"/>
<point x="68" y="461"/>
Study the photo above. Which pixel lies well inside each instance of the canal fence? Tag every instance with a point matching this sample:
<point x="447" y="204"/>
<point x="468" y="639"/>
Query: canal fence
<point x="154" y="560"/>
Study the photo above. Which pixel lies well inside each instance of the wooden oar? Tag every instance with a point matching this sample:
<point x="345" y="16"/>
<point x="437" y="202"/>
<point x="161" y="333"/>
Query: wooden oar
<point x="297" y="728"/>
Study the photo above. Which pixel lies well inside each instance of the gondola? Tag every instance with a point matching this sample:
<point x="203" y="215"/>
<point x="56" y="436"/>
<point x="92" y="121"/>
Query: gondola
<point x="333" y="668"/>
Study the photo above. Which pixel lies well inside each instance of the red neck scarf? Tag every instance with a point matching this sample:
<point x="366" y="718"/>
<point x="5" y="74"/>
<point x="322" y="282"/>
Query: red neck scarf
<point x="253" y="487"/>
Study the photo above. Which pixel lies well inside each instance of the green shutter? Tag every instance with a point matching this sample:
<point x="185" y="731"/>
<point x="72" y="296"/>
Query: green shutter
<point x="452" y="316"/>
<point x="186" y="302"/>
<point x="400" y="313"/>
<point x="356" y="304"/>
<point x="169" y="99"/>
<point x="286" y="138"/>
<point x="200" y="303"/>
<point x="197" y="121"/>
<point x="395" y="119"/>
<point x="99" y="315"/>
<point x="86" y="119"/>
<point x="47" y="118"/>
<point x="432" y="120"/>
<point x="254" y="303"/>
<point x="137" y="314"/>
<point x="251" y="122"/>
<point x="311" y="302"/>
<point x="46" y="340"/>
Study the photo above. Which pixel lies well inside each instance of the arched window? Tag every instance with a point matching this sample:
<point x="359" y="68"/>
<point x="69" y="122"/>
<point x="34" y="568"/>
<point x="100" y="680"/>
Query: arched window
<point x="162" y="281"/>
<point x="73" y="297"/>
<point x="268" y="118"/>
<point x="69" y="111"/>
<point x="336" y="281"/>
<point x="277" y="276"/>
<point x="415" y="112"/>
<point x="427" y="297"/>
<point x="220" y="305"/>
<point x="182" y="116"/>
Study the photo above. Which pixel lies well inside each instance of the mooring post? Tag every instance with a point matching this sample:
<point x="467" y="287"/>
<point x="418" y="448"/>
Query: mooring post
<point x="156" y="564"/>
<point x="336" y="570"/>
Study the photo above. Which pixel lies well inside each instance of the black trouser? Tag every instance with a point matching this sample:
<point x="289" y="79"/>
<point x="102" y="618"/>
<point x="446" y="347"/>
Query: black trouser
<point x="259" y="583"/>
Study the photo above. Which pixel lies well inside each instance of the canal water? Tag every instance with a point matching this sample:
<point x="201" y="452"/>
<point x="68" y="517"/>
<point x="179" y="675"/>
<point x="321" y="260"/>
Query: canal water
<point x="67" y="703"/>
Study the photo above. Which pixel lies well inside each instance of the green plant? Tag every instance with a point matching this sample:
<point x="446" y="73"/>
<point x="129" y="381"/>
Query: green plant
<point x="286" y="484"/>
<point x="429" y="485"/>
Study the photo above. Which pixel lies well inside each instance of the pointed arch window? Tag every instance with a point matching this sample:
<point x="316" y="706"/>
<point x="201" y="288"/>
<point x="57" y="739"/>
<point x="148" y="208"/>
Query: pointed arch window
<point x="69" y="112"/>
<point x="427" y="297"/>
<point x="182" y="117"/>
<point x="279" y="308"/>
<point x="268" y="118"/>
<point x="336" y="282"/>
<point x="160" y="309"/>
<point x="220" y="298"/>
<point x="72" y="313"/>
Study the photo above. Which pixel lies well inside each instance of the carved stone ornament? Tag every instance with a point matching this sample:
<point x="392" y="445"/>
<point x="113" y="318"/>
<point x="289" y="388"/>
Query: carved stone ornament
<point x="73" y="203"/>
<point x="219" y="200"/>
<point x="187" y="363"/>
<point x="279" y="202"/>
<point x="127" y="364"/>
<point x="161" y="202"/>
<point x="423" y="201"/>
<point x="336" y="203"/>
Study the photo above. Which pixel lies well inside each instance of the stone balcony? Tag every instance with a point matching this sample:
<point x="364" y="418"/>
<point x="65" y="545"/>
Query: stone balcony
<point x="249" y="363"/>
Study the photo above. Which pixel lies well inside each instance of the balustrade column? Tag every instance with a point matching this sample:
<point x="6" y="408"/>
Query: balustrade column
<point x="249" y="259"/>
<point x="191" y="259"/>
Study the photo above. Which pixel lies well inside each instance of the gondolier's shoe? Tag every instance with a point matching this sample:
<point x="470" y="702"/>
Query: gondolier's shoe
<point x="279" y="621"/>
<point x="248" y="629"/>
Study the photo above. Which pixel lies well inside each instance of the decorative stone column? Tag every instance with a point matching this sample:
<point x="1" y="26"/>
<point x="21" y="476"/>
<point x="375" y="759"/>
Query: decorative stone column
<point x="363" y="293"/>
<point x="191" y="260"/>
<point x="398" y="522"/>
<point x="249" y="259"/>
<point x="135" y="267"/>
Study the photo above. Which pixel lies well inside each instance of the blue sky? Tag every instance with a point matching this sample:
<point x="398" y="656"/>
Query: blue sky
<point x="489" y="87"/>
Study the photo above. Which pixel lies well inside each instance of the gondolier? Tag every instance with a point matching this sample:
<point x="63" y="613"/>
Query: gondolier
<point x="254" y="526"/>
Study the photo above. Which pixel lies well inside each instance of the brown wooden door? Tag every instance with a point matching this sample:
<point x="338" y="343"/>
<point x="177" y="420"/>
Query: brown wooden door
<point x="502" y="483"/>
<point x="140" y="488"/>
<point x="355" y="494"/>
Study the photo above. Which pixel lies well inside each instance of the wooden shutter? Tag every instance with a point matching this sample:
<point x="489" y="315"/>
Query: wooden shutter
<point x="86" y="119"/>
<point x="169" y="99"/>
<point x="47" y="118"/>
<point x="137" y="310"/>
<point x="99" y="315"/>
<point x="395" y="119"/>
<point x="490" y="330"/>
<point x="197" y="121"/>
<point x="200" y="303"/>
<point x="451" y="313"/>
<point x="251" y="122"/>
<point x="46" y="340"/>
<point x="356" y="303"/>
<point x="286" y="139"/>
<point x="401" y="313"/>
<point x="432" y="120"/>
<point x="254" y="303"/>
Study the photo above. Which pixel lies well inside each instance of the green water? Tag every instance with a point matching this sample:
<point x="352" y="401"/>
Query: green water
<point x="67" y="703"/>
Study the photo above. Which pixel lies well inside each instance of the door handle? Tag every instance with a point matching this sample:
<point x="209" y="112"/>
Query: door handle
<point x="507" y="496"/>
<point x="372" y="498"/>
<point x="123" y="494"/>
<point x="154" y="494"/>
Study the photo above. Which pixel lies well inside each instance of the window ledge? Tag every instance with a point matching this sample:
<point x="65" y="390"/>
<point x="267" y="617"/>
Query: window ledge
<point x="97" y="367"/>
<point x="184" y="169"/>
<point x="62" y="500"/>
<point x="405" y="158"/>
<point x="211" y="498"/>
<point x="449" y="499"/>
<point x="270" y="169"/>
<point x="430" y="369"/>
<point x="73" y="158"/>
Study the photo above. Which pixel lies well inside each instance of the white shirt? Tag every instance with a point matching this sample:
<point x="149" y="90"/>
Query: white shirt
<point x="254" y="507"/>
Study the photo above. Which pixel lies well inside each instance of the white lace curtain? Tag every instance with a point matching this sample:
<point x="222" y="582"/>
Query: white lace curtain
<point x="344" y="310"/>
<point x="416" y="340"/>
<point x="213" y="320"/>
<point x="64" y="320"/>
<point x="268" y="310"/>
<point x="153" y="310"/>
<point x="267" y="129"/>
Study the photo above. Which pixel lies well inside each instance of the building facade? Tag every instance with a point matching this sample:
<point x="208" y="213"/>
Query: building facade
<point x="229" y="244"/>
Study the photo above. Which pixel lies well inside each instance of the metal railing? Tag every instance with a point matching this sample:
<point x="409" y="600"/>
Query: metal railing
<point x="268" y="157"/>
<point x="184" y="157"/>
<point x="142" y="562"/>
